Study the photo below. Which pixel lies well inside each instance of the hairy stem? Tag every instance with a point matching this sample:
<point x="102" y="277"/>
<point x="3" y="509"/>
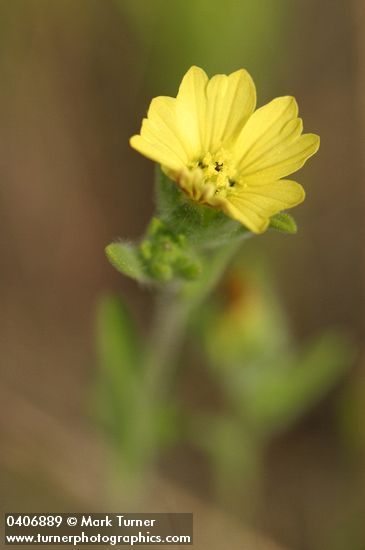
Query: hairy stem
<point x="173" y="310"/>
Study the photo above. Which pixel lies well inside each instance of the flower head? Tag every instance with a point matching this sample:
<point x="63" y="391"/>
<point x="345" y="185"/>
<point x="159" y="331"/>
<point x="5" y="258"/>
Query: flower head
<point x="224" y="154"/>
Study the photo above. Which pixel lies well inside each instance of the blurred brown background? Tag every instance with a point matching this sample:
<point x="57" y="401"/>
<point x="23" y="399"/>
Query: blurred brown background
<point x="76" y="77"/>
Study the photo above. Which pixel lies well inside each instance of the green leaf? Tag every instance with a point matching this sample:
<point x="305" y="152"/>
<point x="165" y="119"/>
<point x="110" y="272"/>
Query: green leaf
<point x="231" y="451"/>
<point x="117" y="341"/>
<point x="283" y="222"/>
<point x="121" y="404"/>
<point x="126" y="259"/>
<point x="134" y="421"/>
<point x="120" y="359"/>
<point x="276" y="395"/>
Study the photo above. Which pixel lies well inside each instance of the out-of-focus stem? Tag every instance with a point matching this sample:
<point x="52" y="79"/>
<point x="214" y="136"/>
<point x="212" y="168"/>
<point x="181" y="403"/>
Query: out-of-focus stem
<point x="173" y="310"/>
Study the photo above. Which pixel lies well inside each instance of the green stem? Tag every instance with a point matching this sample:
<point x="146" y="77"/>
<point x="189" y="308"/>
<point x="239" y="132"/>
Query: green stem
<point x="173" y="310"/>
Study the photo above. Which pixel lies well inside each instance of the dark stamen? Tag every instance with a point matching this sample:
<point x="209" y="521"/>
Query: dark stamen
<point x="218" y="166"/>
<point x="231" y="183"/>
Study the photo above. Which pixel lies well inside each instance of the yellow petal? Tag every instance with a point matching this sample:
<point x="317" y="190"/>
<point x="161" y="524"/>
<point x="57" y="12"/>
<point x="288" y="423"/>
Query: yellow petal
<point x="159" y="139"/>
<point x="158" y="152"/>
<point x="162" y="114"/>
<point x="284" y="159"/>
<point x="270" y="145"/>
<point x="230" y="102"/>
<point x="191" y="110"/>
<point x="255" y="204"/>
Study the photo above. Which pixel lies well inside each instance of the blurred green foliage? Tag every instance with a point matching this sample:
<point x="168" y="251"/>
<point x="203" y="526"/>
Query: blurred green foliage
<point x="120" y="359"/>
<point x="135" y="423"/>
<point x="266" y="384"/>
<point x="274" y="396"/>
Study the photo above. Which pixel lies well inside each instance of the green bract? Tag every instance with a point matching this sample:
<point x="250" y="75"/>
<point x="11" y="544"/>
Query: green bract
<point x="178" y="239"/>
<point x="166" y="254"/>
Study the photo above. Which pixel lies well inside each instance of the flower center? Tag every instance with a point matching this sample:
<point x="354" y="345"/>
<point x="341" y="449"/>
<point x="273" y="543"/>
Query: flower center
<point x="210" y="177"/>
<point x="218" y="170"/>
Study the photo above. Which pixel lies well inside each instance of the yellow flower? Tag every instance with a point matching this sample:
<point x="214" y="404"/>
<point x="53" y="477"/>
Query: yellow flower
<point x="224" y="154"/>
